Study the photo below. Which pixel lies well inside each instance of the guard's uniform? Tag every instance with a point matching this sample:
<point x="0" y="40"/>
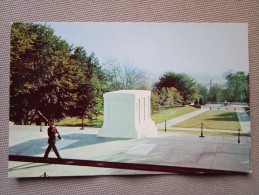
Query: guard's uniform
<point x="52" y="141"/>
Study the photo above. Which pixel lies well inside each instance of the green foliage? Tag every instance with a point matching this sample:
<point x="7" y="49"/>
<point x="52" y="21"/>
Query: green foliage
<point x="182" y="82"/>
<point x="49" y="75"/>
<point x="215" y="93"/>
<point x="165" y="98"/>
<point x="203" y="93"/>
<point x="88" y="93"/>
<point x="237" y="87"/>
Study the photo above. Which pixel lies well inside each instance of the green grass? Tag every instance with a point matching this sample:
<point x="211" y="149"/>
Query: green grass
<point x="171" y="113"/>
<point x="98" y="122"/>
<point x="213" y="119"/>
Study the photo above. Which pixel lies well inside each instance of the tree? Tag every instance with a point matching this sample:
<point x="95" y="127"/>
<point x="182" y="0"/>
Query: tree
<point x="49" y="75"/>
<point x="120" y="77"/>
<point x="88" y="93"/>
<point x="215" y="93"/>
<point x="38" y="61"/>
<point x="237" y="87"/>
<point x="203" y="93"/>
<point x="165" y="98"/>
<point x="182" y="82"/>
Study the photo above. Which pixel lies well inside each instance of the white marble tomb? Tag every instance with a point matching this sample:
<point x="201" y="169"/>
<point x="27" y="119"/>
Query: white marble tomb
<point x="127" y="114"/>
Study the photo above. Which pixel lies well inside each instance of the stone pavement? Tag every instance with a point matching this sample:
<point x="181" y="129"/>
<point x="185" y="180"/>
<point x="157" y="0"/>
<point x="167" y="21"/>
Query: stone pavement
<point x="244" y="121"/>
<point x="168" y="149"/>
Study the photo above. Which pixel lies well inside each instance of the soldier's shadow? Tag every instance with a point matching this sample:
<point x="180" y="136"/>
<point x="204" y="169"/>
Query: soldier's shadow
<point x="38" y="146"/>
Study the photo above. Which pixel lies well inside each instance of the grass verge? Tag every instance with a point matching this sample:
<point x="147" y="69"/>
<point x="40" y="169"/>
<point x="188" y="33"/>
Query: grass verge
<point x="171" y="113"/>
<point x="98" y="122"/>
<point x="214" y="119"/>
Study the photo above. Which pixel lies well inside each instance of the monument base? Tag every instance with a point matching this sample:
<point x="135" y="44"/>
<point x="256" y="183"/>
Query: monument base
<point x="148" y="129"/>
<point x="117" y="133"/>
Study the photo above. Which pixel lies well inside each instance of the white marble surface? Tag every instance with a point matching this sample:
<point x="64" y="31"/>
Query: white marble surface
<point x="127" y="114"/>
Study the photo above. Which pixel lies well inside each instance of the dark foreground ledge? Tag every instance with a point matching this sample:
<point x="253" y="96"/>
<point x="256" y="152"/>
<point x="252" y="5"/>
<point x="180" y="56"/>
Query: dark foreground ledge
<point x="119" y="165"/>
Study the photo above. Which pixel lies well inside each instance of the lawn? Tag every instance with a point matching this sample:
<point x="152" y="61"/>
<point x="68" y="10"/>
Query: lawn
<point x="98" y="122"/>
<point x="170" y="113"/>
<point x="213" y="119"/>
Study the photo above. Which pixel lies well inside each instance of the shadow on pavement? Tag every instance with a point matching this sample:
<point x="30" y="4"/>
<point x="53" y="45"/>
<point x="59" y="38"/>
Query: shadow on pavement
<point x="88" y="139"/>
<point x="35" y="147"/>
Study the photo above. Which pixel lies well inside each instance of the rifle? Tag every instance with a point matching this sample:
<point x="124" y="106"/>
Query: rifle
<point x="54" y="130"/>
<point x="43" y="116"/>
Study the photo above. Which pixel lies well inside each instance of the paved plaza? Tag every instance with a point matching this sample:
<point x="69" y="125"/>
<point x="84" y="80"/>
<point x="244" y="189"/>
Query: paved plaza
<point x="168" y="149"/>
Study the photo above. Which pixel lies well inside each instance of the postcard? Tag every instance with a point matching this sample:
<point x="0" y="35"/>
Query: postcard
<point x="99" y="98"/>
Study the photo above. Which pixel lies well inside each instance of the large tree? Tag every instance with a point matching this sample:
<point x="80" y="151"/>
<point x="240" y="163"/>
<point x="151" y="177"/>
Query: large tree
<point x="203" y="93"/>
<point x="120" y="77"/>
<point x="182" y="82"/>
<point x="89" y="89"/>
<point x="237" y="87"/>
<point x="47" y="74"/>
<point x="165" y="98"/>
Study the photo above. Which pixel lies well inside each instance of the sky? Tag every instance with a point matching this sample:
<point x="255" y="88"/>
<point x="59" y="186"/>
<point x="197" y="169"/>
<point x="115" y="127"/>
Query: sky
<point x="201" y="49"/>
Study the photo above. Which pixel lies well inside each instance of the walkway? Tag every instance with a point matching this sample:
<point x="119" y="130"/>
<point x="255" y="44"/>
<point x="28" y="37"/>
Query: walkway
<point x="244" y="121"/>
<point x="182" y="118"/>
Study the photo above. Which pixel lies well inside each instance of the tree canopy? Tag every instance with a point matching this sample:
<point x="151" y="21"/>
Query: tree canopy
<point x="120" y="77"/>
<point x="49" y="75"/>
<point x="185" y="84"/>
<point x="237" y="87"/>
<point x="215" y="93"/>
<point x="165" y="98"/>
<point x="203" y="93"/>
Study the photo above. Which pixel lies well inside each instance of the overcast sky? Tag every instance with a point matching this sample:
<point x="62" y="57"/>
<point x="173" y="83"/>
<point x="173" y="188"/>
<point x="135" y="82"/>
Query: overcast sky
<point x="205" y="49"/>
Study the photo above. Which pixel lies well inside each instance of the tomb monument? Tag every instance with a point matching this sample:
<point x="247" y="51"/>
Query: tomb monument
<point x="127" y="114"/>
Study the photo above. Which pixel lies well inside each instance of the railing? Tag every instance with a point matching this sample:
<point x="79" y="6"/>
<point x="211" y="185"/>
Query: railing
<point x="202" y="126"/>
